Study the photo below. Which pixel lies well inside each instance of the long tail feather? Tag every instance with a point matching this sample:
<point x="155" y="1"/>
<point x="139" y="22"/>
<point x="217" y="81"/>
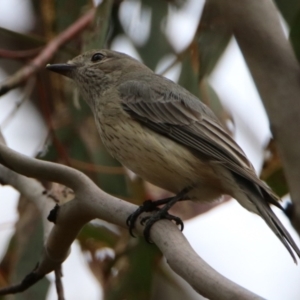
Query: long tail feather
<point x="261" y="201"/>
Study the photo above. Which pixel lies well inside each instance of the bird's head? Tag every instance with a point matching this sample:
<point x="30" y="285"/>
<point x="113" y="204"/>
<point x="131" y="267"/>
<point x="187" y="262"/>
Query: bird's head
<point x="95" y="71"/>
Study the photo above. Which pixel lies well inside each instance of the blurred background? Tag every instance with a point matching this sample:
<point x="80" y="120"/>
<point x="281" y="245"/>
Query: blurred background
<point x="46" y="118"/>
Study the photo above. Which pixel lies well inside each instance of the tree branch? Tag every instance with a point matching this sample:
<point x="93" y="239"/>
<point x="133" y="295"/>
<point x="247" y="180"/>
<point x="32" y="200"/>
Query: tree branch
<point x="90" y="202"/>
<point x="276" y="73"/>
<point x="47" y="53"/>
<point x="30" y="188"/>
<point x="19" y="54"/>
<point x="58" y="283"/>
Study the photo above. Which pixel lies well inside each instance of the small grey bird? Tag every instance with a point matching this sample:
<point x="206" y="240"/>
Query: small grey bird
<point x="167" y="136"/>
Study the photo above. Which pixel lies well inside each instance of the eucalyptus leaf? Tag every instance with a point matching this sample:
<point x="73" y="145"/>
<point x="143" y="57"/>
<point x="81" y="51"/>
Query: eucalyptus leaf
<point x="212" y="38"/>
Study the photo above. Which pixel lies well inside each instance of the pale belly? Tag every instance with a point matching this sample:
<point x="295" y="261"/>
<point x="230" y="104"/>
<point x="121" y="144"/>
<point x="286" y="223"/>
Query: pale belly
<point x="159" y="160"/>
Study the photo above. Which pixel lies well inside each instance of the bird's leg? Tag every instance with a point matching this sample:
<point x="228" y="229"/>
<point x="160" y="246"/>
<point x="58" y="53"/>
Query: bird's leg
<point x="163" y="214"/>
<point x="149" y="206"/>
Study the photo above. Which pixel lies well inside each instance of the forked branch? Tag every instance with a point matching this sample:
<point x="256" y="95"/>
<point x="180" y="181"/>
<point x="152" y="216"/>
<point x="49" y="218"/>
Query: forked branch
<point x="89" y="203"/>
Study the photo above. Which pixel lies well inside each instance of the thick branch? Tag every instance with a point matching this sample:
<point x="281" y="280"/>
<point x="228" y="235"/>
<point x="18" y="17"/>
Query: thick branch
<point x="276" y="73"/>
<point x="46" y="54"/>
<point x="91" y="202"/>
<point x="43" y="170"/>
<point x="30" y="188"/>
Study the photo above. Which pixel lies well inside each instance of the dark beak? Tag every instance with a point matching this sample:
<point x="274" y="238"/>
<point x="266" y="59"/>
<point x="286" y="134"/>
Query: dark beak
<point x="63" y="69"/>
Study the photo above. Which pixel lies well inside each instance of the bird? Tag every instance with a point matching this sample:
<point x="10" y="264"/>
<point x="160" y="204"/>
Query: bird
<point x="167" y="136"/>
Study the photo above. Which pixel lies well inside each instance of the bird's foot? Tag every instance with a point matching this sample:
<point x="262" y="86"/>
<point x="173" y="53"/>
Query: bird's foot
<point x="162" y="213"/>
<point x="159" y="215"/>
<point x="147" y="206"/>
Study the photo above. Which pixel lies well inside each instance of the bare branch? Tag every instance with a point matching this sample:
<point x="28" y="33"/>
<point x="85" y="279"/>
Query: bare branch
<point x="276" y="73"/>
<point x="30" y="84"/>
<point x="58" y="283"/>
<point x="30" y="188"/>
<point x="47" y="53"/>
<point x="19" y="54"/>
<point x="28" y="281"/>
<point x="42" y="170"/>
<point x="89" y="203"/>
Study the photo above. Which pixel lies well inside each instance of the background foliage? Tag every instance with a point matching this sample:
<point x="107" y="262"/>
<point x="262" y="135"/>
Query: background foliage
<point x="125" y="268"/>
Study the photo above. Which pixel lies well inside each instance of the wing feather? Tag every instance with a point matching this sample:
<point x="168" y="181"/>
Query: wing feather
<point x="182" y="117"/>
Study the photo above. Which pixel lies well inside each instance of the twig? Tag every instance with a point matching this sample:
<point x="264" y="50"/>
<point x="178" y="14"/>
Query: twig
<point x="177" y="59"/>
<point x="19" y="54"/>
<point x="28" y="281"/>
<point x="47" y="53"/>
<point x="58" y="283"/>
<point x="26" y="94"/>
<point x="96" y="168"/>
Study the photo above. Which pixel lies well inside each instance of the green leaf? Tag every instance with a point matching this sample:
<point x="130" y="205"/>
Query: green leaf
<point x="96" y="37"/>
<point x="277" y="181"/>
<point x="212" y="38"/>
<point x="67" y="12"/>
<point x="98" y="233"/>
<point x="210" y="97"/>
<point x="204" y="91"/>
<point x="27" y="39"/>
<point x="188" y="76"/>
<point x="288" y="9"/>
<point x="157" y="44"/>
<point x="295" y="35"/>
<point x="272" y="171"/>
<point x="24" y="250"/>
<point x="136" y="281"/>
<point x="26" y="263"/>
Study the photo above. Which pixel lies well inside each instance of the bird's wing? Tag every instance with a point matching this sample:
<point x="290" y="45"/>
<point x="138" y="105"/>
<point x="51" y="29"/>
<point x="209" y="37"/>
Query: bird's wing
<point x="172" y="111"/>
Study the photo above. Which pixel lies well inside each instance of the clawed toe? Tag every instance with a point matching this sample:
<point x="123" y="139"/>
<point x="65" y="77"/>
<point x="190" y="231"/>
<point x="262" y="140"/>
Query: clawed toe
<point x="177" y="220"/>
<point x="145" y="219"/>
<point x="147" y="206"/>
<point x="130" y="223"/>
<point x="150" y="220"/>
<point x="161" y="214"/>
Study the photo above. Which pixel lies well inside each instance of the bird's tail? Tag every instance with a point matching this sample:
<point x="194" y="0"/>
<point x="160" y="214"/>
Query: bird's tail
<point x="260" y="199"/>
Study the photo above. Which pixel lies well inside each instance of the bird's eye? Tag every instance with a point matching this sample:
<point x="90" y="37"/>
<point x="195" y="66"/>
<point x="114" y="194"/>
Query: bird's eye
<point x="97" y="57"/>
